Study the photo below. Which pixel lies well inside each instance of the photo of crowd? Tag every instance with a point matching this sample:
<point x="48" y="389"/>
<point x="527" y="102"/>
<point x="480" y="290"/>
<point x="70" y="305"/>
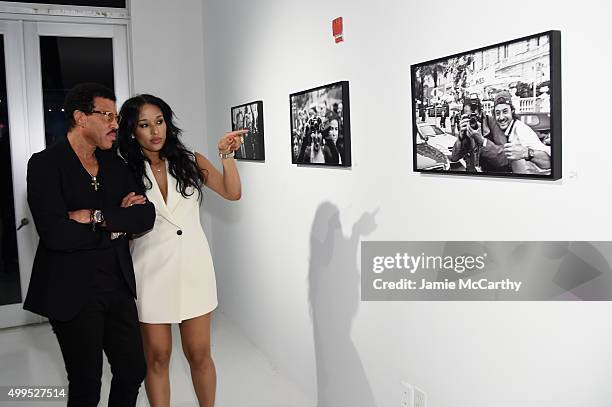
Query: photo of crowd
<point x="487" y="111"/>
<point x="320" y="130"/>
<point x="250" y="117"/>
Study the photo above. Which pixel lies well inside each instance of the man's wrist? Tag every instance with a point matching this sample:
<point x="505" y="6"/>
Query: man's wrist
<point x="96" y="216"/>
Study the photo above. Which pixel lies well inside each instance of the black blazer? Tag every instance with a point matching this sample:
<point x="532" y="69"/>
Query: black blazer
<point x="69" y="253"/>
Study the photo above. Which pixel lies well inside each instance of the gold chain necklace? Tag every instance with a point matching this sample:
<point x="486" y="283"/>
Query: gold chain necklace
<point x="94" y="178"/>
<point x="154" y="166"/>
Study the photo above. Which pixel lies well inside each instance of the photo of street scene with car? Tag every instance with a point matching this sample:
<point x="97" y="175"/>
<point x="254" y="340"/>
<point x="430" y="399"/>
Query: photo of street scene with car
<point x="487" y="112"/>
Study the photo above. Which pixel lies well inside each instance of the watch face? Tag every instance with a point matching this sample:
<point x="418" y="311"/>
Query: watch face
<point x="531" y="153"/>
<point x="98" y="218"/>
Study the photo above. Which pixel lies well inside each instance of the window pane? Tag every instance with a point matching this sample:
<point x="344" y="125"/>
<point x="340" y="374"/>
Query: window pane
<point x="92" y="3"/>
<point x="65" y="62"/>
<point x="10" y="287"/>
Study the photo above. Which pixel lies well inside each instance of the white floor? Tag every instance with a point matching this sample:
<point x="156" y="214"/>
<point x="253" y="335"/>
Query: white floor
<point x="30" y="356"/>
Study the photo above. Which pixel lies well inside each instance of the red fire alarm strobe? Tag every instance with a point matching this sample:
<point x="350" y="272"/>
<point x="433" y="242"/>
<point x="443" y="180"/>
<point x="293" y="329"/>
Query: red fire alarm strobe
<point x="338" y="29"/>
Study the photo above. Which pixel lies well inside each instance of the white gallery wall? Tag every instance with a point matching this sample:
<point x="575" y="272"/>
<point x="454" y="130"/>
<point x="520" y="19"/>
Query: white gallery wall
<point x="168" y="61"/>
<point x="280" y="251"/>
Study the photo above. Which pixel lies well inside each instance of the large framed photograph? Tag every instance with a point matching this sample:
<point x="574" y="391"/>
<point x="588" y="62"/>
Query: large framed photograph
<point x="249" y="116"/>
<point x="493" y="111"/>
<point x="320" y="126"/>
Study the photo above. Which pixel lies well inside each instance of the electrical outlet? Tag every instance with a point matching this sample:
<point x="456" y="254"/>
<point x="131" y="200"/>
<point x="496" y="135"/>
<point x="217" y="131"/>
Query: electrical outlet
<point x="406" y="395"/>
<point x="411" y="396"/>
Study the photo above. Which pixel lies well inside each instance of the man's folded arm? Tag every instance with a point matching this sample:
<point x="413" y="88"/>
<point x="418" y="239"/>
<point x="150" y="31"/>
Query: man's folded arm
<point x="135" y="219"/>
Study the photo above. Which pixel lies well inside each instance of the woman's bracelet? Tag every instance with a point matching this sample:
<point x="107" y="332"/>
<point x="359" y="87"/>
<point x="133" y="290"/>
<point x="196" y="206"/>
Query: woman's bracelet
<point x="224" y="156"/>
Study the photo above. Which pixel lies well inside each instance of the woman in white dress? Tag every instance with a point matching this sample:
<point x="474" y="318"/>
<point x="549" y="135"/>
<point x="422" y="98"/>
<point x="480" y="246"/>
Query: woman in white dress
<point x="175" y="278"/>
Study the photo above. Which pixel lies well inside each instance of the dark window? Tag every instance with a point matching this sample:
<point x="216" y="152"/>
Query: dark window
<point x="65" y="62"/>
<point x="91" y="3"/>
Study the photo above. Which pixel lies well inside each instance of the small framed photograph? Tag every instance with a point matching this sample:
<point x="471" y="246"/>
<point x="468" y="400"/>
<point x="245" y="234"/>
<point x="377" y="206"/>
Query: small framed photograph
<point x="493" y="111"/>
<point x="320" y="126"/>
<point x="249" y="116"/>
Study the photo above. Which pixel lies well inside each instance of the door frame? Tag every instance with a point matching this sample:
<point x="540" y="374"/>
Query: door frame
<point x="26" y="115"/>
<point x="12" y="31"/>
<point x="59" y="12"/>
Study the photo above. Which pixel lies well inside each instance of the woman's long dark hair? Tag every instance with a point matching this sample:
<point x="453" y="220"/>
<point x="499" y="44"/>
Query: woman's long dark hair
<point x="181" y="162"/>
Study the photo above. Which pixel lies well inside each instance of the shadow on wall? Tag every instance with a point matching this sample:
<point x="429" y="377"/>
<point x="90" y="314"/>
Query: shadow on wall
<point x="334" y="299"/>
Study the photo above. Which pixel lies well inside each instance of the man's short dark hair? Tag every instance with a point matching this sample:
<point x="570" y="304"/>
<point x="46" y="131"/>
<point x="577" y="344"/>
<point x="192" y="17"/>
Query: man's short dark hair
<point x="81" y="97"/>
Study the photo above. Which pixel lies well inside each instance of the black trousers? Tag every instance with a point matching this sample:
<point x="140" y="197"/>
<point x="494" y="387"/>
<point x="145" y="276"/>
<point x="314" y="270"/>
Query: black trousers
<point x="108" y="322"/>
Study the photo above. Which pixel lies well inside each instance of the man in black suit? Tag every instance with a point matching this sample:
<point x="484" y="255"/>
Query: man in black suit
<point x="85" y="204"/>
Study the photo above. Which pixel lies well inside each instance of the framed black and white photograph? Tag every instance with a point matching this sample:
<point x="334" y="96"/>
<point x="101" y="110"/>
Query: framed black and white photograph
<point x="493" y="111"/>
<point x="249" y="116"/>
<point x="320" y="126"/>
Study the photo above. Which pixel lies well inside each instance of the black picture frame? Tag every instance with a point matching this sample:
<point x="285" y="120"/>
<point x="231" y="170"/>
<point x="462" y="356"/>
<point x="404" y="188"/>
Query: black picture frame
<point x="253" y="148"/>
<point x="321" y="150"/>
<point x="542" y="113"/>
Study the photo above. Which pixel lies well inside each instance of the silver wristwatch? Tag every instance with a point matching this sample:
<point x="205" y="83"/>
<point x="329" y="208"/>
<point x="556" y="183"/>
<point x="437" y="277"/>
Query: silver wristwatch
<point x="97" y="216"/>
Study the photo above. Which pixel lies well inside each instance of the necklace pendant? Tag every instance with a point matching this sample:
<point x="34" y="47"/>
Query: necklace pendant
<point x="94" y="183"/>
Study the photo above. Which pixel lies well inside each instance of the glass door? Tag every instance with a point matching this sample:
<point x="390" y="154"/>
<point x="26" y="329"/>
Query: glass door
<point x="61" y="55"/>
<point x="17" y="236"/>
<point x="40" y="63"/>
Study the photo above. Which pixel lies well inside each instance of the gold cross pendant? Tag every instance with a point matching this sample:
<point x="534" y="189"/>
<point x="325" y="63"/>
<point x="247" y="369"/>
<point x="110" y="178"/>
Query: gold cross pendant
<point x="94" y="183"/>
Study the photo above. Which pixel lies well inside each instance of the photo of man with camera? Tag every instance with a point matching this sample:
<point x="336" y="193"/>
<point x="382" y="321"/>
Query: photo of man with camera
<point x="499" y="104"/>
<point x="471" y="125"/>
<point x="499" y="142"/>
<point x="318" y="132"/>
<point x="312" y="147"/>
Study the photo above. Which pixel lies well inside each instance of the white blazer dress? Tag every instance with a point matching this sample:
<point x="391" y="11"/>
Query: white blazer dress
<point x="175" y="277"/>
